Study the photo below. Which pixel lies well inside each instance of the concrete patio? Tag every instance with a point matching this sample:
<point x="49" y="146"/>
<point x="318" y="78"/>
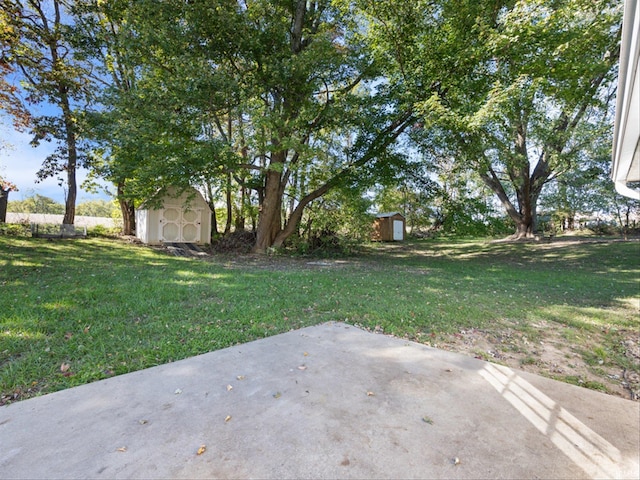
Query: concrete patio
<point x="330" y="401"/>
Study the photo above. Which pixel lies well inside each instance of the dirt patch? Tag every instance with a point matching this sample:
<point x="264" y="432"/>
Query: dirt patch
<point x="552" y="355"/>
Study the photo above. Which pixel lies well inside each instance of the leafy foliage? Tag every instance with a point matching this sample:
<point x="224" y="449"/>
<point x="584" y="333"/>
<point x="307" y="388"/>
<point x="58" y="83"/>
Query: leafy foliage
<point x="15" y="230"/>
<point x="37" y="44"/>
<point x="36" y="204"/>
<point x="504" y="87"/>
<point x="335" y="224"/>
<point x="41" y="204"/>
<point x="270" y="105"/>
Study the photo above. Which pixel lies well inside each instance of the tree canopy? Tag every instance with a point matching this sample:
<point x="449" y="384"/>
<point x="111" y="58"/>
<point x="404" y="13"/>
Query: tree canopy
<point x="519" y="88"/>
<point x="37" y="43"/>
<point x="272" y="104"/>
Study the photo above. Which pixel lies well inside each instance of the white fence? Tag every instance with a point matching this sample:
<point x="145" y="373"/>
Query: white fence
<point x="51" y="219"/>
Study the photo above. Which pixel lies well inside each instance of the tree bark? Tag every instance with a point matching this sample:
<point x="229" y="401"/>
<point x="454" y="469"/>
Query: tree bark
<point x="67" y="115"/>
<point x="4" y="199"/>
<point x="227" y="227"/>
<point x="240" y="220"/>
<point x="212" y="206"/>
<point x="270" y="217"/>
<point x="296" y="215"/>
<point x="128" y="212"/>
<point x="72" y="162"/>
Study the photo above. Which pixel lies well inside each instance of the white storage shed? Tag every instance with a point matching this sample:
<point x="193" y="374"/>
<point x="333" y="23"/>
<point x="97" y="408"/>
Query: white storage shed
<point x="181" y="218"/>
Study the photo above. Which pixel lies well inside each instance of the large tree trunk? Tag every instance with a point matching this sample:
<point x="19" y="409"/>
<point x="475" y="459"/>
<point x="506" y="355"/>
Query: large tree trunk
<point x="128" y="212"/>
<point x="4" y="199"/>
<point x="128" y="217"/>
<point x="72" y="161"/>
<point x="67" y="117"/>
<point x="270" y="218"/>
<point x="525" y="215"/>
<point x="524" y="228"/>
<point x="227" y="226"/>
<point x="296" y="215"/>
<point x="240" y="220"/>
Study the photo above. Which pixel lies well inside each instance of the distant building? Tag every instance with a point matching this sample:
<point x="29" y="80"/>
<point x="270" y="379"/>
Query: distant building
<point x="389" y="227"/>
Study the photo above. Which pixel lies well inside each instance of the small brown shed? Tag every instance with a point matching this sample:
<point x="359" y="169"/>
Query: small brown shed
<point x="389" y="227"/>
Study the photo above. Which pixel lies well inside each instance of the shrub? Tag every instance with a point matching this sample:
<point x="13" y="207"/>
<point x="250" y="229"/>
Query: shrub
<point x="15" y="229"/>
<point x="102" y="231"/>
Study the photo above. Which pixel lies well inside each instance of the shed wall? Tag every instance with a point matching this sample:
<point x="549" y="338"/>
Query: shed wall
<point x="383" y="228"/>
<point x="142" y="225"/>
<point x="151" y="221"/>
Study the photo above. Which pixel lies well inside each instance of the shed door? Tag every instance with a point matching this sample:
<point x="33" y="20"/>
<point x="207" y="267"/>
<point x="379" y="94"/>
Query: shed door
<point x="398" y="230"/>
<point x="181" y="226"/>
<point x="191" y="226"/>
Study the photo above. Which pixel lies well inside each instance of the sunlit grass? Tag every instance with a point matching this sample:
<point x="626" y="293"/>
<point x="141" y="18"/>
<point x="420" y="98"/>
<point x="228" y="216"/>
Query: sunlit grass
<point x="591" y="317"/>
<point x="107" y="307"/>
<point x="632" y="304"/>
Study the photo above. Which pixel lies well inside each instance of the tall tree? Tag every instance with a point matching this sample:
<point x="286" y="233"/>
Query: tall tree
<point x="100" y="33"/>
<point x="514" y="81"/>
<point x="53" y="79"/>
<point x="553" y="72"/>
<point x="5" y="187"/>
<point x="252" y="92"/>
<point x="153" y="129"/>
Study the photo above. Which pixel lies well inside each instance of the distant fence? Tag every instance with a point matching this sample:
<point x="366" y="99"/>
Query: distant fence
<point x="57" y="231"/>
<point x="51" y="219"/>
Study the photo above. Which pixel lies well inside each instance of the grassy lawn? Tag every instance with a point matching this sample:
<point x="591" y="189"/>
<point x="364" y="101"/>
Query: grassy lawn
<point x="76" y="311"/>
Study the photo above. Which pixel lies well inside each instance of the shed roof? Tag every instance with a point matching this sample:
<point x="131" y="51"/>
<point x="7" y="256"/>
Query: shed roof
<point x="389" y="214"/>
<point x="171" y="194"/>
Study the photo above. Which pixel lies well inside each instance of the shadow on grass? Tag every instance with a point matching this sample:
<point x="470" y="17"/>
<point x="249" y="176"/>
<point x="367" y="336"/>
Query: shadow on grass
<point x="105" y="307"/>
<point x="593" y="253"/>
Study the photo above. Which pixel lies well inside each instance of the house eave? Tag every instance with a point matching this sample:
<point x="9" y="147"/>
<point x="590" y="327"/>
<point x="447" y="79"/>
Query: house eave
<point x="625" y="166"/>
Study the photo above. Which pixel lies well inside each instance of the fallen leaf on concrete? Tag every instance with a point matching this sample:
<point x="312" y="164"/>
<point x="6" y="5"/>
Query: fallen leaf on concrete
<point x="229" y="388"/>
<point x="202" y="449"/>
<point x="305" y="354"/>
<point x="277" y="395"/>
<point x="121" y="449"/>
<point x="65" y="367"/>
<point x="227" y="418"/>
<point x="370" y="394"/>
<point x="427" y="419"/>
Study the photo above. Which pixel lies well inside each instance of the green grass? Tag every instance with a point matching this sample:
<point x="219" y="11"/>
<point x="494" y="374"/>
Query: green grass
<point x="76" y="311"/>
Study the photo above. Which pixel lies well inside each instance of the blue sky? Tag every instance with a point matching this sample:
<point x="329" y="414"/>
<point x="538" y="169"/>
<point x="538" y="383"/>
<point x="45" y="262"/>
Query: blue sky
<point x="19" y="163"/>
